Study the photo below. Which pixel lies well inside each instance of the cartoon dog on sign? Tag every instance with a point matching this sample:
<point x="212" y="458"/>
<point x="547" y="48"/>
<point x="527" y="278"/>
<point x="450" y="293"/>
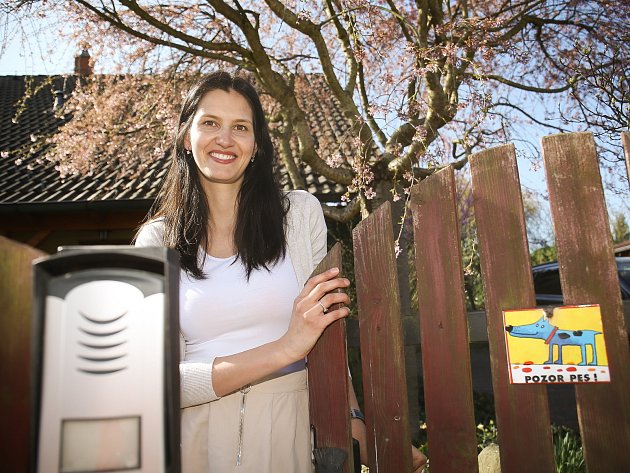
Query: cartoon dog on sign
<point x="553" y="336"/>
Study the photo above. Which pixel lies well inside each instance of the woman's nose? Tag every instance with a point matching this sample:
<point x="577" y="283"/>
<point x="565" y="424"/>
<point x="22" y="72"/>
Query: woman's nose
<point x="224" y="137"/>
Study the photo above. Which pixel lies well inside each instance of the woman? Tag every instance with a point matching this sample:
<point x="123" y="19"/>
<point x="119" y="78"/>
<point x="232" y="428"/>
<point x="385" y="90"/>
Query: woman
<point x="248" y="314"/>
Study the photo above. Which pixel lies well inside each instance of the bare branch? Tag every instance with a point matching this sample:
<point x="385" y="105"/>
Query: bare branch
<point x="516" y="85"/>
<point x="343" y="214"/>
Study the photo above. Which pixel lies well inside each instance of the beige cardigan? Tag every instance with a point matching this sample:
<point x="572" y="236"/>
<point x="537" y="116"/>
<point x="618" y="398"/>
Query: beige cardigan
<point x="306" y="242"/>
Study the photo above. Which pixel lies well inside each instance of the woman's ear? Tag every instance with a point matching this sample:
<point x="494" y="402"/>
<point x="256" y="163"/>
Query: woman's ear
<point x="187" y="144"/>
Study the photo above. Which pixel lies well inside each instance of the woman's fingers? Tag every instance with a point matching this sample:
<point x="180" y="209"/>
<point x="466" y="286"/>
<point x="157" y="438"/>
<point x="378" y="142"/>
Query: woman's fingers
<point x="330" y="299"/>
<point x="315" y="280"/>
<point x="418" y="460"/>
<point x="332" y="315"/>
<point x="325" y="282"/>
<point x="328" y="286"/>
<point x="318" y="294"/>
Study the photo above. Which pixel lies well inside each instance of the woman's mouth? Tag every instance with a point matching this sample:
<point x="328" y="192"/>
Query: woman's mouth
<point x="222" y="157"/>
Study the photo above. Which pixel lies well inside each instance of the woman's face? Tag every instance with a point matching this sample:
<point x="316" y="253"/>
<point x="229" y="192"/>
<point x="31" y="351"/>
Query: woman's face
<point x="221" y="137"/>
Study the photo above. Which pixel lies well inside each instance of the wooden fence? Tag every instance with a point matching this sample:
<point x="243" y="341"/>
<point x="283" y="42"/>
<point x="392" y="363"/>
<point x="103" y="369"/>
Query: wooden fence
<point x="588" y="275"/>
<point x="15" y="353"/>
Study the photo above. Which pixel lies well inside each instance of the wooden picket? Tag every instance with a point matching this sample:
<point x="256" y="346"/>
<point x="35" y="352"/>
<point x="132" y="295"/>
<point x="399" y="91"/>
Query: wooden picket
<point x="382" y="350"/>
<point x="522" y="412"/>
<point x="328" y="390"/>
<point x="443" y="326"/>
<point x="15" y="353"/>
<point x="588" y="275"/>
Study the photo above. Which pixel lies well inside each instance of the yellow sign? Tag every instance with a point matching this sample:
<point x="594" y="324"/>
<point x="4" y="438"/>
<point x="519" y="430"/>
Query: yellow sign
<point x="566" y="346"/>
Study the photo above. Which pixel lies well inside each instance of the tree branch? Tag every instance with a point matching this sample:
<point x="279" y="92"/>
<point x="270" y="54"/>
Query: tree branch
<point x="151" y="20"/>
<point x="343" y="214"/>
<point x="516" y="85"/>
<point x="117" y="23"/>
<point x="344" y="37"/>
<point x="547" y="125"/>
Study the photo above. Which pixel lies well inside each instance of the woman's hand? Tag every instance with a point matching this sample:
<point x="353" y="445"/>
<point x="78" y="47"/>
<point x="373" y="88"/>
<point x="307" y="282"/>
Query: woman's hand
<point x="418" y="460"/>
<point x="312" y="312"/>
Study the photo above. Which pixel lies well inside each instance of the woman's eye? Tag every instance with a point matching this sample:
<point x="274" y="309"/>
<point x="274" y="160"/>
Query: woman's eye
<point x="209" y="123"/>
<point x="242" y="128"/>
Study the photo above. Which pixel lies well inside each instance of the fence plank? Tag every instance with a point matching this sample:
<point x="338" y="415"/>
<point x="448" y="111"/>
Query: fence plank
<point x="328" y="386"/>
<point x="588" y="275"/>
<point x="443" y="326"/>
<point x="522" y="410"/>
<point x="15" y="352"/>
<point x="382" y="350"/>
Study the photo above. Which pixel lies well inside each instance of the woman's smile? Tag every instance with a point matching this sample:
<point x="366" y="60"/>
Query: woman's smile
<point x="223" y="157"/>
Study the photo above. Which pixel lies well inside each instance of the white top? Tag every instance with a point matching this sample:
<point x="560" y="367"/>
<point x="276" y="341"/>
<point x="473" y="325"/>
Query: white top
<point x="306" y="245"/>
<point x="226" y="314"/>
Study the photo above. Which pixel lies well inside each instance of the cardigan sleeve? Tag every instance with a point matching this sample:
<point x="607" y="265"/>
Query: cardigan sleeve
<point x="318" y="231"/>
<point x="195" y="378"/>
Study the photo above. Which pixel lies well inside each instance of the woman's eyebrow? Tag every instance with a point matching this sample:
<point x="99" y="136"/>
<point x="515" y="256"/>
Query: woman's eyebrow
<point x="216" y="117"/>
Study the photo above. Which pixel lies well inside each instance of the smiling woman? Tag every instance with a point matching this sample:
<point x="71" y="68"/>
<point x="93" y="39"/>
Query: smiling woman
<point x="249" y="315"/>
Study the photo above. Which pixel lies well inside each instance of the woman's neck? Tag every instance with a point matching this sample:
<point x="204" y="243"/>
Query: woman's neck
<point x="222" y="204"/>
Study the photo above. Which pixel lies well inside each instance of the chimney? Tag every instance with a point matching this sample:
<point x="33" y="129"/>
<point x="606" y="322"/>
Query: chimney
<point x="82" y="64"/>
<point x="58" y="99"/>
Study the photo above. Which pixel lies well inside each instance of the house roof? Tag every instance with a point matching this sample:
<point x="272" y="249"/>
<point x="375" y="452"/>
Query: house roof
<point x="28" y="183"/>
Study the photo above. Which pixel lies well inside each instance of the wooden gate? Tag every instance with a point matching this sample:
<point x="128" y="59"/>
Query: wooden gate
<point x="588" y="275"/>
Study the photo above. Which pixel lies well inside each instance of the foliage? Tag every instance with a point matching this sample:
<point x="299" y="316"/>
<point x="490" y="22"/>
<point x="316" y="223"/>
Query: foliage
<point x="568" y="450"/>
<point x="568" y="453"/>
<point x="486" y="434"/>
<point x="620" y="228"/>
<point x="545" y="254"/>
<point x="111" y="101"/>
<point x="419" y="84"/>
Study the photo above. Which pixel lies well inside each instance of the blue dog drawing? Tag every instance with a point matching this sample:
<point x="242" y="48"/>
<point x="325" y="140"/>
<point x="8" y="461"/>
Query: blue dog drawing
<point x="553" y="336"/>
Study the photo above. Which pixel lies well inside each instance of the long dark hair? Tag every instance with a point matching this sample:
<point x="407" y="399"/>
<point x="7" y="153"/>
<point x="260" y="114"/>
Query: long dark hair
<point x="261" y="207"/>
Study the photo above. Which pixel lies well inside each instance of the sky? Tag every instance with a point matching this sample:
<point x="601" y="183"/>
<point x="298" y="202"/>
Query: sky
<point x="37" y="49"/>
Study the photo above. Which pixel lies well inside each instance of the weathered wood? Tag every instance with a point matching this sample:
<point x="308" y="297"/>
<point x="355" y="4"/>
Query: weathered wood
<point x="588" y="275"/>
<point x="328" y="386"/>
<point x="382" y="351"/>
<point x="444" y="326"/>
<point x="625" y="139"/>
<point x="522" y="410"/>
<point x="15" y="353"/>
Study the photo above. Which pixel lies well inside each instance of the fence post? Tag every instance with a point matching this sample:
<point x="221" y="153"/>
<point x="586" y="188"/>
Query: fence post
<point x="16" y="296"/>
<point x="588" y="275"/>
<point x="522" y="410"/>
<point x="382" y="350"/>
<point x="328" y="390"/>
<point x="443" y="326"/>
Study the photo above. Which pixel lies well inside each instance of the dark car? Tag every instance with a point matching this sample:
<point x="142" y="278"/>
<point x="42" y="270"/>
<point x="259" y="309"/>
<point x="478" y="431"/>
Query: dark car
<point x="547" y="281"/>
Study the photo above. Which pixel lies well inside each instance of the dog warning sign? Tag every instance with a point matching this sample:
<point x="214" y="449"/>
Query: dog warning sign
<point x="565" y="345"/>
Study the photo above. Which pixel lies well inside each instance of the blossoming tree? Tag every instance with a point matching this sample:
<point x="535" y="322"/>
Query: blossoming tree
<point x="420" y="82"/>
